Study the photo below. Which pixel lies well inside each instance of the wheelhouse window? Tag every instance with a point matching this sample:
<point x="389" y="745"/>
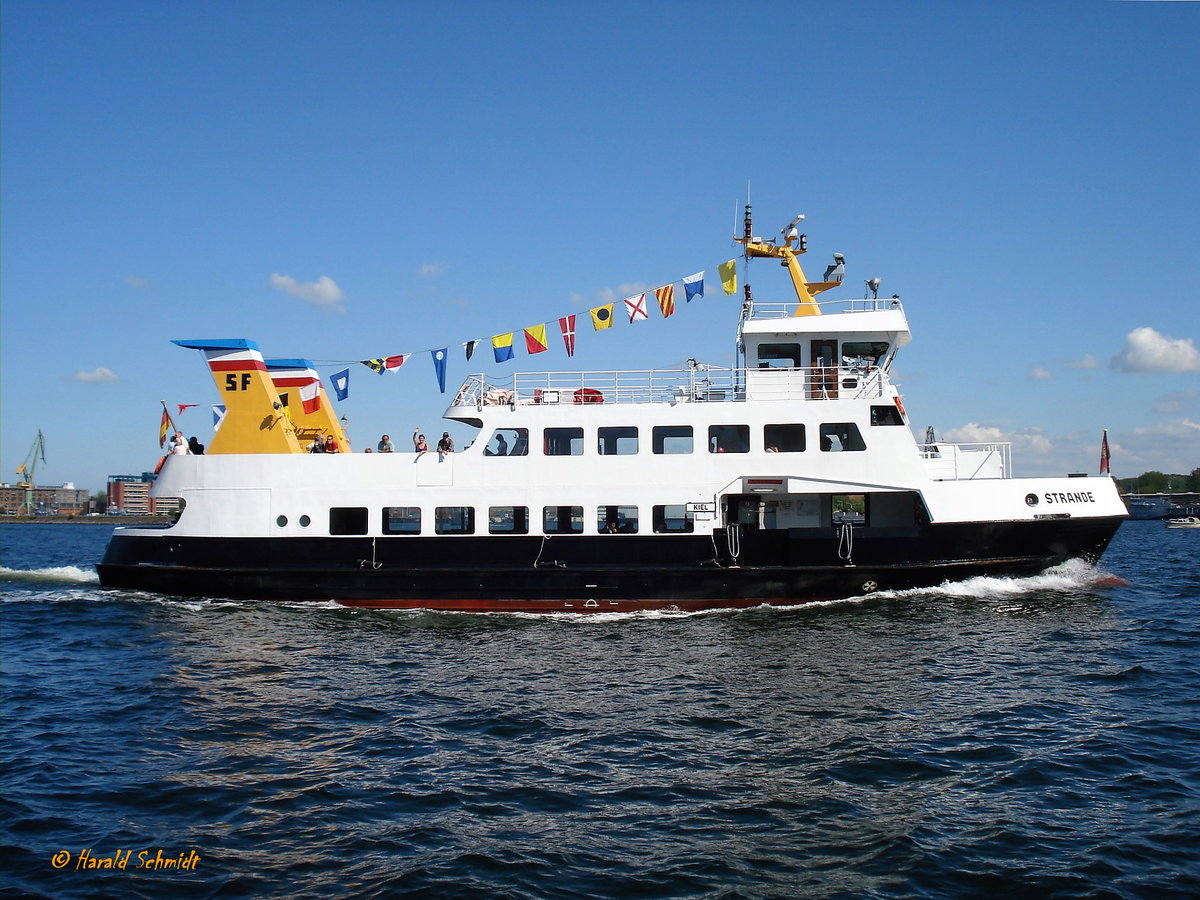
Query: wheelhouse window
<point x="402" y="520"/>
<point x="779" y="356"/>
<point x="617" y="520"/>
<point x="508" y="520"/>
<point x="673" y="519"/>
<point x="670" y="439"/>
<point x="728" y="438"/>
<point x="563" y="441"/>
<point x="617" y="440"/>
<point x="886" y="415"/>
<point x="837" y="437"/>
<point x="863" y="354"/>
<point x="508" y="442"/>
<point x="348" y="520"/>
<point x="562" y="519"/>
<point x="783" y="438"/>
<point x="454" y="520"/>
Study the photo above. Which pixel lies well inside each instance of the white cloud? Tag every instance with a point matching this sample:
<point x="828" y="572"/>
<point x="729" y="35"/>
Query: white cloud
<point x="322" y="293"/>
<point x="1037" y="373"/>
<point x="1030" y="439"/>
<point x="1087" y="361"/>
<point x="98" y="375"/>
<point x="1148" y="351"/>
<point x="1174" y="403"/>
<point x="431" y="270"/>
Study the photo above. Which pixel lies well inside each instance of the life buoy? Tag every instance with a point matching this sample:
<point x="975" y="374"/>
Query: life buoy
<point x="900" y="405"/>
<point x="161" y="460"/>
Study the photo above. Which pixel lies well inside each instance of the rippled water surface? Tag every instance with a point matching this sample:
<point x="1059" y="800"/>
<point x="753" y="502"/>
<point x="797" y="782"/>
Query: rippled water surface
<point x="1036" y="737"/>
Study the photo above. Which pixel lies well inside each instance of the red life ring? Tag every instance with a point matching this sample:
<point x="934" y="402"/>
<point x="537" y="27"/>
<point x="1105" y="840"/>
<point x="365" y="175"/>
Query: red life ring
<point x="900" y="405"/>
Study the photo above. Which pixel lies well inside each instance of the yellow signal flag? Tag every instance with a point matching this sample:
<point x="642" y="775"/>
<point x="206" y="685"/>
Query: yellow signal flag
<point x="728" y="273"/>
<point x="602" y="317"/>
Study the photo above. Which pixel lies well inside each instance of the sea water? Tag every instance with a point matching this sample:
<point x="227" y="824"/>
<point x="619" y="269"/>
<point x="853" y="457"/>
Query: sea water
<point x="1034" y="737"/>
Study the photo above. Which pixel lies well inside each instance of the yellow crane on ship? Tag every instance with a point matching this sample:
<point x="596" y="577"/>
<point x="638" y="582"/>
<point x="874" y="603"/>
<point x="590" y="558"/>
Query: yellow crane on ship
<point x="28" y="470"/>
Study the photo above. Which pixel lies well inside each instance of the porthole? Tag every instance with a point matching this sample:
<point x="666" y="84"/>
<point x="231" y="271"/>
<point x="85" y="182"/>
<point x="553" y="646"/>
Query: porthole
<point x="305" y="521"/>
<point x="281" y="521"/>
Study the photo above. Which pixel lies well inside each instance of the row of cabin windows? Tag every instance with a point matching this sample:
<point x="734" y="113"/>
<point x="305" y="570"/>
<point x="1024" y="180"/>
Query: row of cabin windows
<point x="624" y="440"/>
<point x="670" y="518"/>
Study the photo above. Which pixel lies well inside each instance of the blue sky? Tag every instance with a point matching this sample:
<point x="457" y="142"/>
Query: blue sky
<point x="340" y="181"/>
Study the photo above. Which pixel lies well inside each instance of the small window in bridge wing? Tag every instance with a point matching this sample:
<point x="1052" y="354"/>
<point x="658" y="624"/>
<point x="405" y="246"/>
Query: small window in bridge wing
<point x="886" y="415"/>
<point x="348" y="520"/>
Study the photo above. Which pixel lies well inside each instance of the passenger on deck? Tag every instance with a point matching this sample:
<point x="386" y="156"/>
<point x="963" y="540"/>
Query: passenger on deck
<point x="195" y="446"/>
<point x="419" y="444"/>
<point x="385" y="445"/>
<point x="501" y="445"/>
<point x="445" y="445"/>
<point x="331" y="446"/>
<point x="179" y="446"/>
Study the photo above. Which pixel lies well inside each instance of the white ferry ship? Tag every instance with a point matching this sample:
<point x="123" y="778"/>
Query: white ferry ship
<point x="790" y="478"/>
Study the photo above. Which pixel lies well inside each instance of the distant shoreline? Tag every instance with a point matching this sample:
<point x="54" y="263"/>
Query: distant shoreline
<point x="88" y="520"/>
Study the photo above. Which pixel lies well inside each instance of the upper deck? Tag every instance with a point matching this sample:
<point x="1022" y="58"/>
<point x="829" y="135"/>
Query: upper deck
<point x="850" y="345"/>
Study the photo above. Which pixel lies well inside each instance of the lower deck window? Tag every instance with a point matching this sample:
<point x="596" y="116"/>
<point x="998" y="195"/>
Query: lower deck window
<point x="508" y="520"/>
<point x="672" y="439"/>
<point x="562" y="519"/>
<point x="673" y="519"/>
<point x="348" y="520"/>
<point x="563" y="441"/>
<point x="729" y="438"/>
<point x="402" y="520"/>
<point x="783" y="438"/>
<point x="454" y="520"/>
<point x="617" y="520"/>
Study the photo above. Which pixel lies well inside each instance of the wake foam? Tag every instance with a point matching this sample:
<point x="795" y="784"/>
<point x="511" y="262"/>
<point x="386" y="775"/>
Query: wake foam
<point x="53" y="575"/>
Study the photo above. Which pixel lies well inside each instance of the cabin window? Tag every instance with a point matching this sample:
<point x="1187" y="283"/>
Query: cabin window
<point x="863" y="354"/>
<point x="673" y="519"/>
<point x="779" y="356"/>
<point x="562" y="519"/>
<point x="508" y="442"/>
<point x="728" y="438"/>
<point x="837" y="437"/>
<point x="783" y="438"/>
<point x="508" y="520"/>
<point x="454" y="520"/>
<point x="402" y="520"/>
<point x="617" y="441"/>
<point x="348" y="520"/>
<point x="886" y="415"/>
<point x="617" y="519"/>
<point x="672" y="439"/>
<point x="563" y="441"/>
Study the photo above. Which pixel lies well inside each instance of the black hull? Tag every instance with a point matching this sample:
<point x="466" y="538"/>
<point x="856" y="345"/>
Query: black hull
<point x="593" y="573"/>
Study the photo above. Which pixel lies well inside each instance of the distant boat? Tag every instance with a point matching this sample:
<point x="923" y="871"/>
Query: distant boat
<point x="1147" y="507"/>
<point x="1185" y="522"/>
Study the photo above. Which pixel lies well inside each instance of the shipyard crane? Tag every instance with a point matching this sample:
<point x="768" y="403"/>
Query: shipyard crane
<point x="28" y="469"/>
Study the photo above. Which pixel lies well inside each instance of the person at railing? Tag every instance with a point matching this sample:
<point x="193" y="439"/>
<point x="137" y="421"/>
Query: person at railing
<point x="419" y="444"/>
<point x="445" y="445"/>
<point x="385" y="444"/>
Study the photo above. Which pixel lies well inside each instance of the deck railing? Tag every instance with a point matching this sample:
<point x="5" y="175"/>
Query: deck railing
<point x="702" y="384"/>
<point x="776" y="309"/>
<point x="946" y="461"/>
